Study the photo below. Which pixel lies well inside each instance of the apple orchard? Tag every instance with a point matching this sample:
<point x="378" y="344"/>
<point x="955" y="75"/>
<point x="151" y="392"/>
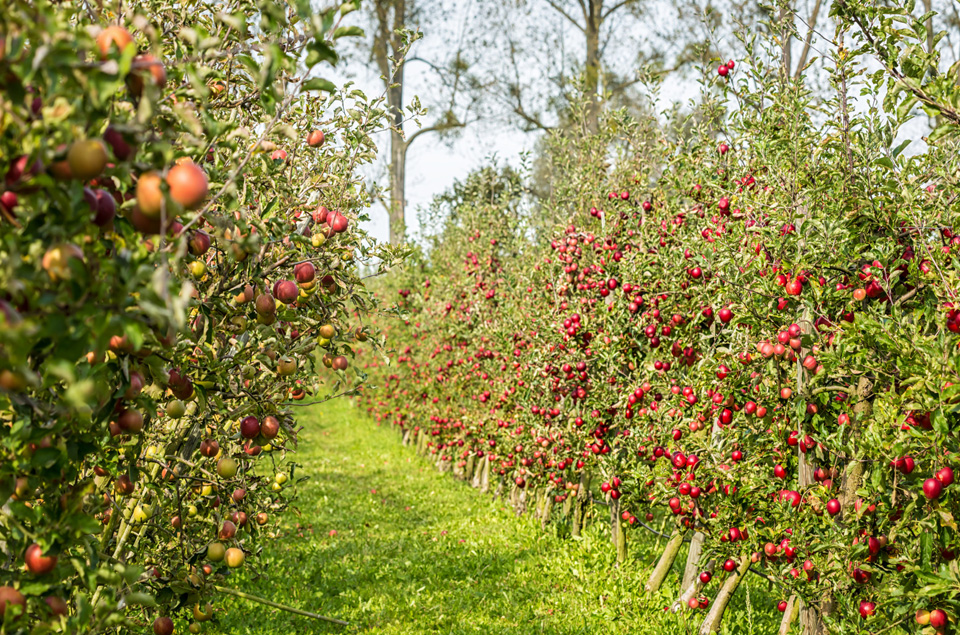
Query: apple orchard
<point x="741" y="333"/>
<point x="737" y="328"/>
<point x="179" y="270"/>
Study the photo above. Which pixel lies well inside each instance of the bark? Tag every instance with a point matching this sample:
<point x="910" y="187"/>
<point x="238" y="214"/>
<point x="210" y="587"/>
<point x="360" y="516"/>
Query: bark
<point x="617" y="534"/>
<point x="547" y="509"/>
<point x="691" y="570"/>
<point x="468" y="469"/>
<point x="711" y="624"/>
<point x="688" y="590"/>
<point x="793" y="606"/>
<point x="391" y="16"/>
<point x="594" y="20"/>
<point x="812" y="22"/>
<point x="663" y="567"/>
<point x="406" y="436"/>
<point x="477" y="472"/>
<point x="810" y="621"/>
<point x="786" y="13"/>
<point x="580" y="504"/>
<point x="485" y="476"/>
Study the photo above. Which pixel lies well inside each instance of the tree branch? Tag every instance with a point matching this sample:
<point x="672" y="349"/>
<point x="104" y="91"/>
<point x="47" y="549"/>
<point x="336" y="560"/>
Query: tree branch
<point x="614" y="9"/>
<point x="811" y="26"/>
<point x="562" y="12"/>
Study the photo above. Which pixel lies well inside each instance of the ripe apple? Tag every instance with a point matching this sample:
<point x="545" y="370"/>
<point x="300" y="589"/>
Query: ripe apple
<point x="87" y="159"/>
<point x="265" y="304"/>
<point x="932" y="488"/>
<point x="145" y="65"/>
<point x="56" y="260"/>
<point x="867" y="609"/>
<point x="938" y="618"/>
<point x="130" y="421"/>
<point x="8" y="201"/>
<point x="945" y="476"/>
<point x="163" y="626"/>
<point x="11" y="597"/>
<point x="729" y="565"/>
<point x="121" y="148"/>
<point x="286" y="291"/>
<point x="124" y="486"/>
<point x="56" y="605"/>
<point x="113" y="36"/>
<point x="339" y="363"/>
<point x="705" y="577"/>
<point x="228" y="530"/>
<point x="36" y="562"/>
<point x="270" y="427"/>
<point x="199" y="242"/>
<point x="249" y="427"/>
<point x="234" y="557"/>
<point x="304" y="272"/>
<point x="227" y="467"/>
<point x="150" y="196"/>
<point x="286" y="365"/>
<point x="833" y="506"/>
<point x="188" y="184"/>
<point x="315" y="139"/>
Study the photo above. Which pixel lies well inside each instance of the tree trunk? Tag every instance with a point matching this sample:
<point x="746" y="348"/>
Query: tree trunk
<point x="711" y="624"/>
<point x="398" y="176"/>
<point x="391" y="18"/>
<point x="485" y="476"/>
<point x="786" y="13"/>
<point x="592" y="65"/>
<point x="809" y="615"/>
<point x="691" y="570"/>
<point x="793" y="605"/>
<point x="663" y="567"/>
<point x="617" y="535"/>
<point x="690" y="590"/>
<point x="547" y="509"/>
<point x="580" y="504"/>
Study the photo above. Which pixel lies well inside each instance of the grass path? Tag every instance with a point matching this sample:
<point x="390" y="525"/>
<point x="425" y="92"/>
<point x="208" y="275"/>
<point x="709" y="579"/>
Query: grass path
<point x="420" y="552"/>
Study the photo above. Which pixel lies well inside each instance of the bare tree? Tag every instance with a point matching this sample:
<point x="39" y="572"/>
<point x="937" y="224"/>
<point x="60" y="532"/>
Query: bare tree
<point x="396" y="26"/>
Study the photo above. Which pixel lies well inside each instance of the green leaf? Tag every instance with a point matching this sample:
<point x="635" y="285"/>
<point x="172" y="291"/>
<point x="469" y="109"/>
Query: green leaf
<point x="939" y="422"/>
<point x="347" y="31"/>
<point x="942" y="130"/>
<point x="318" y="83"/>
<point x="319" y="51"/>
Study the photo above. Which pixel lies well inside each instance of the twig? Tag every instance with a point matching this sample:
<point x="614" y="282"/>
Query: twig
<point x="282" y="607"/>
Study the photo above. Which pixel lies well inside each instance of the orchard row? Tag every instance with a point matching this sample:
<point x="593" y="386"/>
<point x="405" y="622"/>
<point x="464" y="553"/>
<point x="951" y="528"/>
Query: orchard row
<point x="748" y="333"/>
<point x="168" y="294"/>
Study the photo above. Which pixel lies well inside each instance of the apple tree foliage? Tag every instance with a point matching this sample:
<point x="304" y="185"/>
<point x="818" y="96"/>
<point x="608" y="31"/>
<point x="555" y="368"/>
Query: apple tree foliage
<point x="180" y="267"/>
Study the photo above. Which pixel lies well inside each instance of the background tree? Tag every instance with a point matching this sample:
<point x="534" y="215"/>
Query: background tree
<point x="396" y="24"/>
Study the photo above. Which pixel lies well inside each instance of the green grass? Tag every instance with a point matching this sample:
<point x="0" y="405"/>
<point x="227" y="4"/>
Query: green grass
<point x="421" y="552"/>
